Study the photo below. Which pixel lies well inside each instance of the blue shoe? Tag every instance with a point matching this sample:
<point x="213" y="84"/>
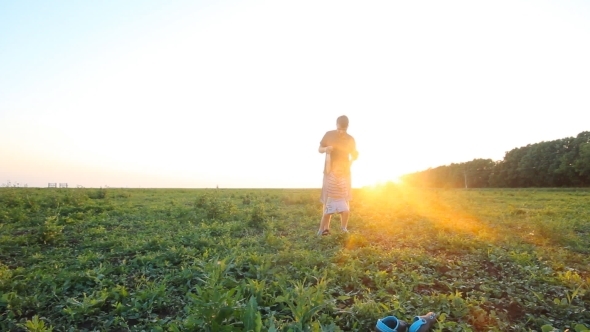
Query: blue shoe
<point x="391" y="324"/>
<point x="423" y="323"/>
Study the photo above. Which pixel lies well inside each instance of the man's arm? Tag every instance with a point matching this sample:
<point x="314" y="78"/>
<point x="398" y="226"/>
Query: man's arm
<point x="353" y="152"/>
<point x="324" y="146"/>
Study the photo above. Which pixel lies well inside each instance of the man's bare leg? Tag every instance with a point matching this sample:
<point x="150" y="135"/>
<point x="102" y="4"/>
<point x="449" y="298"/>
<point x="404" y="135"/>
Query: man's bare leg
<point x="344" y="220"/>
<point x="325" y="223"/>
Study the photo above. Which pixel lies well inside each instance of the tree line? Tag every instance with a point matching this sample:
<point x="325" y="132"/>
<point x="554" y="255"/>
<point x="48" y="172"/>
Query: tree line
<point x="559" y="163"/>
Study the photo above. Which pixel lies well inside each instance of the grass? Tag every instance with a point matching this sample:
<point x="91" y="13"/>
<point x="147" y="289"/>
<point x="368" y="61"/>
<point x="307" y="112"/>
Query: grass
<point x="249" y="260"/>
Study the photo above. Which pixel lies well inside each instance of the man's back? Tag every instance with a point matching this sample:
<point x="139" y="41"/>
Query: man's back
<point x="343" y="145"/>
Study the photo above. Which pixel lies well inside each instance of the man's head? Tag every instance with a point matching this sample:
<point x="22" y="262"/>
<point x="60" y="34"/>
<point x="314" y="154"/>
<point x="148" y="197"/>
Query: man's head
<point x="342" y="123"/>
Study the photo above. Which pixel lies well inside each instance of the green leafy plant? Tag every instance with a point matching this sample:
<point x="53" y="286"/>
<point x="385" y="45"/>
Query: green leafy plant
<point x="37" y="325"/>
<point x="197" y="259"/>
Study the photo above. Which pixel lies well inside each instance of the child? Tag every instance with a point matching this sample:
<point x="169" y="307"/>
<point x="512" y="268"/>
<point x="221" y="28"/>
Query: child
<point x="335" y="190"/>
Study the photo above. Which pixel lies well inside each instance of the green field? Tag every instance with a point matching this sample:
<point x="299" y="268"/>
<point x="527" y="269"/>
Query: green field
<point x="249" y="260"/>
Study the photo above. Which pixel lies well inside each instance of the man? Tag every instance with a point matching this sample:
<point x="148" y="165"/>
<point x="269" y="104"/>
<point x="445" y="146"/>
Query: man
<point x="340" y="149"/>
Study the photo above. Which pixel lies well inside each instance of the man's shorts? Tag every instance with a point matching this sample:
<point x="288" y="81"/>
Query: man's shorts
<point x="336" y="205"/>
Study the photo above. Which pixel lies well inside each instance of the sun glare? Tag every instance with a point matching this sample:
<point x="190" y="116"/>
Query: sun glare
<point x="373" y="170"/>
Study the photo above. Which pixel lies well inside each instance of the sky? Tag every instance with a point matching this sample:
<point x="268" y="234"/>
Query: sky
<point x="238" y="94"/>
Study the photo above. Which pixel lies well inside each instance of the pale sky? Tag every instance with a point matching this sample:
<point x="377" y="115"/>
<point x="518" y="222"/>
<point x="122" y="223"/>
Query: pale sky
<point x="239" y="93"/>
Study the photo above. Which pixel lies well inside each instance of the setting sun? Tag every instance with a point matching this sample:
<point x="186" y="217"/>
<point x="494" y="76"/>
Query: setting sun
<point x="376" y="163"/>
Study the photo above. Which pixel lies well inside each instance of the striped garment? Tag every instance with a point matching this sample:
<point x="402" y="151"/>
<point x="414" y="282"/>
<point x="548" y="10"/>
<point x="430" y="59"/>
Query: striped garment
<point x="336" y="186"/>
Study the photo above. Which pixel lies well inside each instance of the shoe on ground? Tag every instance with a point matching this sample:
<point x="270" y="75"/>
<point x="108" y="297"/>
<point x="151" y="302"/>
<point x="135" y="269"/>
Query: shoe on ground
<point x="423" y="323"/>
<point x="391" y="324"/>
<point x="326" y="232"/>
<point x="344" y="230"/>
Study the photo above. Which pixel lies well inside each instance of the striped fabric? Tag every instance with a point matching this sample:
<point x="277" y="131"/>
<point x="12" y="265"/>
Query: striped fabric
<point x="336" y="187"/>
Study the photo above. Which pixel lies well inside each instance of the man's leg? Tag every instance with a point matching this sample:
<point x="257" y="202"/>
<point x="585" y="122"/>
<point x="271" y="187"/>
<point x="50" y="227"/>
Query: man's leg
<point x="327" y="218"/>
<point x="344" y="220"/>
<point x="325" y="223"/>
<point x="344" y="216"/>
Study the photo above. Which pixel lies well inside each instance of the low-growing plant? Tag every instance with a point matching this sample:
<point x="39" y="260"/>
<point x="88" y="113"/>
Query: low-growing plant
<point x="37" y="325"/>
<point x="185" y="259"/>
<point x="258" y="216"/>
<point x="100" y="193"/>
<point x="50" y="231"/>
